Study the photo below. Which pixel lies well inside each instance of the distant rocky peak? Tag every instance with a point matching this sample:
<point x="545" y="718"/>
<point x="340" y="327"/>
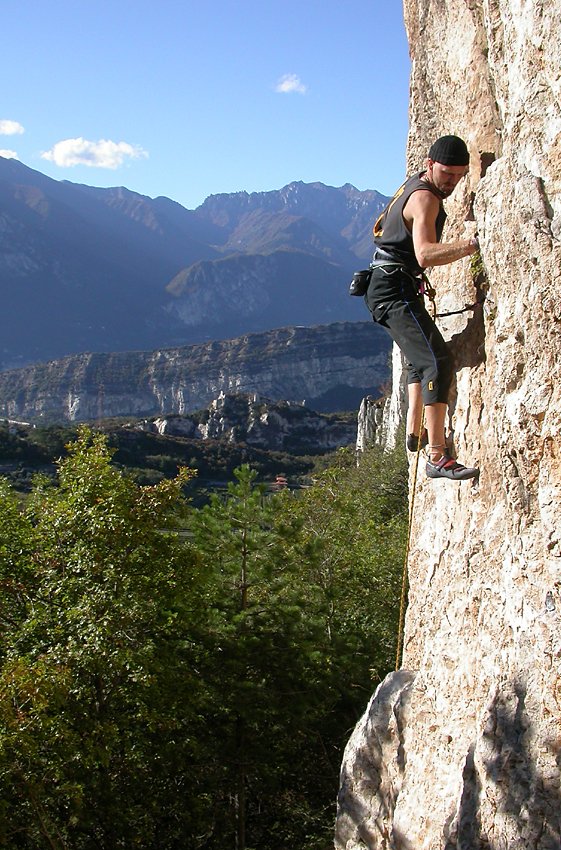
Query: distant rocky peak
<point x="332" y="208"/>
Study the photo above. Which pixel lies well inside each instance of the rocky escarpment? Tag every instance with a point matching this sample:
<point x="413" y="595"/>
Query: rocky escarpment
<point x="461" y="747"/>
<point x="330" y="367"/>
<point x="370" y="422"/>
<point x="282" y="426"/>
<point x="379" y="419"/>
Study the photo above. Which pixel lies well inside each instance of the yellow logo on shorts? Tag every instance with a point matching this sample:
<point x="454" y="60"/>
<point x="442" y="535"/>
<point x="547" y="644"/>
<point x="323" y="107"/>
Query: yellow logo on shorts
<point x="431" y="385"/>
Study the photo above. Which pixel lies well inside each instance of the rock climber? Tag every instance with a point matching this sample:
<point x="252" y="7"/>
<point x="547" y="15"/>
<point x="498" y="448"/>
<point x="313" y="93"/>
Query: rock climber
<point x="407" y="238"/>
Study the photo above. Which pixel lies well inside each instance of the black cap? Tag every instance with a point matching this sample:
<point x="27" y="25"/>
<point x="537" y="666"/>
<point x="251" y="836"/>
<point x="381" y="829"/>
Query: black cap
<point x="449" y="150"/>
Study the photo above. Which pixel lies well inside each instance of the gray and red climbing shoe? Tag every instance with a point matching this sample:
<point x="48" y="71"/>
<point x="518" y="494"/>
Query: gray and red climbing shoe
<point x="447" y="467"/>
<point x="413" y="442"/>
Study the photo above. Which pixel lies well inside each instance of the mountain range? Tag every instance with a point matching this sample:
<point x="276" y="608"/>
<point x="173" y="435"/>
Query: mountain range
<point x="84" y="269"/>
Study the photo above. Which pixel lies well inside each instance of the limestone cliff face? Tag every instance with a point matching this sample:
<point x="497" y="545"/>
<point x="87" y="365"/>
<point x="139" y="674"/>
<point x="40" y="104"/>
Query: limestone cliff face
<point x="462" y="747"/>
<point x="316" y="365"/>
<point x="379" y="419"/>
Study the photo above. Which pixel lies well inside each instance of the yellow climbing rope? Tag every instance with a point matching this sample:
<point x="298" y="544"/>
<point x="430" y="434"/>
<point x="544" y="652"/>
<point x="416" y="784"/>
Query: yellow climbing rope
<point x="430" y="293"/>
<point x="404" y="578"/>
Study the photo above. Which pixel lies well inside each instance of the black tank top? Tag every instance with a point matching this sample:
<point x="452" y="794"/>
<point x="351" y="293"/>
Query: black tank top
<point x="390" y="231"/>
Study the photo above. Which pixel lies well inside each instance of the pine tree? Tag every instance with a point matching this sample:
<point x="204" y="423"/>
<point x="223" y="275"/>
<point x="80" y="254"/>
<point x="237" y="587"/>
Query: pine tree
<point x="261" y="655"/>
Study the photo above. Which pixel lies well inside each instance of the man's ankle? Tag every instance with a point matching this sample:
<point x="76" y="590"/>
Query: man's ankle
<point x="436" y="453"/>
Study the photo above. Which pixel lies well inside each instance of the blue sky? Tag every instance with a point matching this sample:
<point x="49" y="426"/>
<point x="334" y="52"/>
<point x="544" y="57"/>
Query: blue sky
<point x="187" y="98"/>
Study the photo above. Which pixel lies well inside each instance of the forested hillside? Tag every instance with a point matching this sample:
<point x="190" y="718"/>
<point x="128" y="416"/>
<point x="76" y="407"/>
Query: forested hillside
<point x="174" y="677"/>
<point x="149" y="456"/>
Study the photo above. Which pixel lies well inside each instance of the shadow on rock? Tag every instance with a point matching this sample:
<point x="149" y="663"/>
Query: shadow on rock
<point x="507" y="799"/>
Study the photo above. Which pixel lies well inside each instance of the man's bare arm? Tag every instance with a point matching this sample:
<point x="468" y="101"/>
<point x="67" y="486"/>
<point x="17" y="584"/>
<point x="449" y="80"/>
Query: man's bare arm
<point x="420" y="214"/>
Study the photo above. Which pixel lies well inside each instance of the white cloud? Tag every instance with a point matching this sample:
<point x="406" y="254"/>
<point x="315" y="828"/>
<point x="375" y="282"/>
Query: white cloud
<point x="290" y="83"/>
<point x="101" y="154"/>
<point x="9" y="154"/>
<point x="10" y="128"/>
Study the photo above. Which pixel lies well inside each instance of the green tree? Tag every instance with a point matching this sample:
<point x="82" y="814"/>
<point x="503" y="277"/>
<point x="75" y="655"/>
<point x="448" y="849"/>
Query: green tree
<point x="303" y="604"/>
<point x="263" y="665"/>
<point x="177" y="678"/>
<point x="354" y="521"/>
<point x="100" y="703"/>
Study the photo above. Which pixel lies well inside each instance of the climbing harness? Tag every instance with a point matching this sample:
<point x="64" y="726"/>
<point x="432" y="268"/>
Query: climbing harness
<point x="361" y="280"/>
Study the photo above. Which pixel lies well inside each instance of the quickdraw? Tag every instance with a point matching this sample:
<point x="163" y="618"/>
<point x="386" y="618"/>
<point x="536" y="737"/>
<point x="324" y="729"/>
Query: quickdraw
<point x="465" y="309"/>
<point x="429" y="291"/>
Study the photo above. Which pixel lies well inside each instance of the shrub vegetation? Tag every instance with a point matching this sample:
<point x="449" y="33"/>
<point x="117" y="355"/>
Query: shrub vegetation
<point x="176" y="677"/>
